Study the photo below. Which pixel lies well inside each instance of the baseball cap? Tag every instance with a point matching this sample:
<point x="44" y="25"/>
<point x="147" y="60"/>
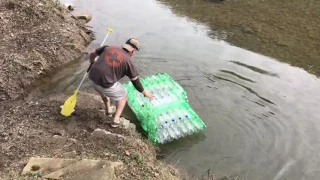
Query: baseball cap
<point x="132" y="44"/>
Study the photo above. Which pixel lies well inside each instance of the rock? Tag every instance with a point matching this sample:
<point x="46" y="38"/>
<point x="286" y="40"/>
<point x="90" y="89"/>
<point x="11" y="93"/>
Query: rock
<point x="248" y="30"/>
<point x="87" y="169"/>
<point x="59" y="140"/>
<point x="100" y="133"/>
<point x="4" y="134"/>
<point x="20" y="133"/>
<point x="73" y="140"/>
<point x="59" y="132"/>
<point x="284" y="42"/>
<point x="127" y="153"/>
<point x="57" y="168"/>
<point x="106" y="154"/>
<point x="126" y="123"/>
<point x="86" y="17"/>
<point x="45" y="163"/>
<point x="156" y="174"/>
<point x="69" y="7"/>
<point x="132" y="127"/>
<point x="71" y="154"/>
<point x="106" y="173"/>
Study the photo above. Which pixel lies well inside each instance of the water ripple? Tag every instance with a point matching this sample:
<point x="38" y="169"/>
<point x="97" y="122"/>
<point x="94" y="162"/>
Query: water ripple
<point x="237" y="75"/>
<point x="255" y="69"/>
<point x="247" y="88"/>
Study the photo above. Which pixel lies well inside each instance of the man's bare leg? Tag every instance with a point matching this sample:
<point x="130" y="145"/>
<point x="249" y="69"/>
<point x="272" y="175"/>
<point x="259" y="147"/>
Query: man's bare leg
<point x="120" y="106"/>
<point x="106" y="101"/>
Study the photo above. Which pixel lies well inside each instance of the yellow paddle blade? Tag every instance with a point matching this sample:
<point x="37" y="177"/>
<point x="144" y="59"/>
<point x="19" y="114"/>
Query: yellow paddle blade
<point x="109" y="30"/>
<point x="68" y="106"/>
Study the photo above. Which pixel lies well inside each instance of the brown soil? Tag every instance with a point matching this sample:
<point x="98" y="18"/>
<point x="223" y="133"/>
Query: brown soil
<point x="288" y="30"/>
<point x="27" y="129"/>
<point x="37" y="36"/>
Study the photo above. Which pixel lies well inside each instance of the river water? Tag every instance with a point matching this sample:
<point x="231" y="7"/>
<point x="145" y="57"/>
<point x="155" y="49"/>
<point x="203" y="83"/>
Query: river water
<point x="262" y="116"/>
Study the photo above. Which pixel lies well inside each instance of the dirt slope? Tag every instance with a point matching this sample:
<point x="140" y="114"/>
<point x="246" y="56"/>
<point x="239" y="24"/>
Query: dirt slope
<point x="37" y="36"/>
<point x="30" y="129"/>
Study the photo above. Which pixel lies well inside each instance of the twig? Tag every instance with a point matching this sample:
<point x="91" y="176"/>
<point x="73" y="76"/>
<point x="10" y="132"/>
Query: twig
<point x="228" y="176"/>
<point x="176" y="163"/>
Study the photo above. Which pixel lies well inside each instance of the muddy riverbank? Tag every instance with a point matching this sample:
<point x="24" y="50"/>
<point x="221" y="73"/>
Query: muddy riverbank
<point x="38" y="36"/>
<point x="35" y="128"/>
<point x="288" y="31"/>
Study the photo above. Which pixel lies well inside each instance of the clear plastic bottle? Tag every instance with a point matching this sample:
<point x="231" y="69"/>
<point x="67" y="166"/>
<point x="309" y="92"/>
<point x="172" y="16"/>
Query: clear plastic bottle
<point x="164" y="94"/>
<point x="162" y="133"/>
<point x="160" y="97"/>
<point x="164" y="130"/>
<point x="164" y="88"/>
<point x="195" y="125"/>
<point x="154" y="102"/>
<point x="167" y="128"/>
<point x="187" y="121"/>
<point x="160" y="137"/>
<point x="160" y="94"/>
<point x="173" y="124"/>
<point x="181" y="124"/>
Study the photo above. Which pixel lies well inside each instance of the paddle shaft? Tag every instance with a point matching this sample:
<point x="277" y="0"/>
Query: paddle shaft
<point x="85" y="75"/>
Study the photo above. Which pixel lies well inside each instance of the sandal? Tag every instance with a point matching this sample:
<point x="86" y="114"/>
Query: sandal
<point x="113" y="111"/>
<point x="110" y="115"/>
<point x="117" y="124"/>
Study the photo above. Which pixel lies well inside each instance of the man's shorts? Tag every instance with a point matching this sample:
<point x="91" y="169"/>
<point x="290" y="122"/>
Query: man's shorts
<point x="115" y="92"/>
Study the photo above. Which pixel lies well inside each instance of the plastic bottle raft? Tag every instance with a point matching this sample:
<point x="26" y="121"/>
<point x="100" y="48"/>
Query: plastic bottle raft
<point x="168" y="116"/>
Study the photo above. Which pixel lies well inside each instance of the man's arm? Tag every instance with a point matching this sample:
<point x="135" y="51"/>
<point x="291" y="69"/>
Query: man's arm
<point x="132" y="73"/>
<point x="96" y="53"/>
<point x="137" y="84"/>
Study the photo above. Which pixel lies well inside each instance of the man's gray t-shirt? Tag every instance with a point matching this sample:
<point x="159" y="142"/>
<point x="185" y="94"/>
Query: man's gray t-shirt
<point x="113" y="64"/>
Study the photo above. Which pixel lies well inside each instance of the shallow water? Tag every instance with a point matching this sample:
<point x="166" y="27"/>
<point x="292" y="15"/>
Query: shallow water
<point x="262" y="116"/>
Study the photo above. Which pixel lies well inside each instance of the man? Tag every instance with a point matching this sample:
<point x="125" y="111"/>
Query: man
<point x="112" y="65"/>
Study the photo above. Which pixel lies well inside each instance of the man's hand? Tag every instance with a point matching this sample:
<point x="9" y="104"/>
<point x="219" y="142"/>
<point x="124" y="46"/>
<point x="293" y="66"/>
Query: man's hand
<point x="147" y="94"/>
<point x="93" y="56"/>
